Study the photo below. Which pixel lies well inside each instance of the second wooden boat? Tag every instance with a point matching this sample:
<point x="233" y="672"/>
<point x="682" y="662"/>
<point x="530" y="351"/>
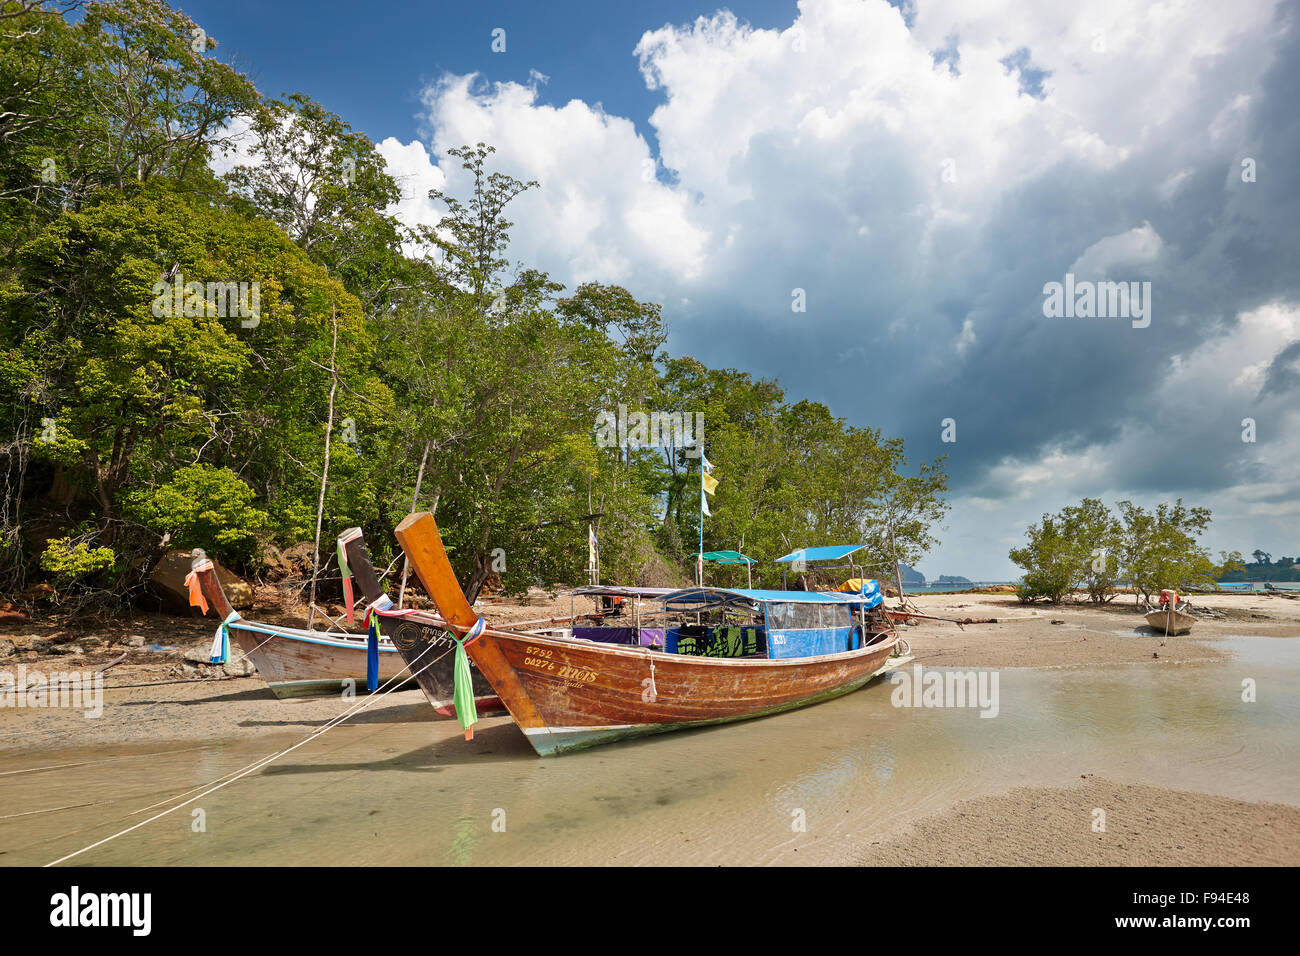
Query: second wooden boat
<point x="293" y="661"/>
<point x="404" y="630"/>
<point x="568" y="694"/>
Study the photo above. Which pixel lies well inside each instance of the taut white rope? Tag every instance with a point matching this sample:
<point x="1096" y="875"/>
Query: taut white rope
<point x="256" y="765"/>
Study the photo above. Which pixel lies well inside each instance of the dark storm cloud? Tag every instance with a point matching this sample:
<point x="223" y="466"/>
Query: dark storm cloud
<point x="1283" y="371"/>
<point x="920" y="180"/>
<point x="877" y="341"/>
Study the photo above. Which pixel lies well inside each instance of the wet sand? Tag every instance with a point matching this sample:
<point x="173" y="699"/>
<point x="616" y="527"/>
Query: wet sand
<point x="1144" y="826"/>
<point x="1168" y="808"/>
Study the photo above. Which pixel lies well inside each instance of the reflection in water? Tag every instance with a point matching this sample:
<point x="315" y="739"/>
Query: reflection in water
<point x="462" y="843"/>
<point x="413" y="792"/>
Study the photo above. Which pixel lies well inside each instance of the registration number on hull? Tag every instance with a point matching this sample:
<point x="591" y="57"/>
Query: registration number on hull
<point x="539" y="659"/>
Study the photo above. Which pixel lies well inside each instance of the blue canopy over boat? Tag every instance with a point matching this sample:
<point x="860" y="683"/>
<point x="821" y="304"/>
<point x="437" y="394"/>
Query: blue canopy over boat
<point x="830" y="552"/>
<point x="703" y="599"/>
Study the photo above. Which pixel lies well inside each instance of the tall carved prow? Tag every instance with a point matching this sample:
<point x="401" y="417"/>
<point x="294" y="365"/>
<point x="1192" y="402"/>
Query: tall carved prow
<point x="205" y="572"/>
<point x="419" y="538"/>
<point x="354" y="547"/>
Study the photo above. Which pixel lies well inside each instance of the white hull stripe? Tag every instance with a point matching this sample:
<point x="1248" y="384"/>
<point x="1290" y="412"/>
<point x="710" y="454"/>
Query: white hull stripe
<point x="595" y="728"/>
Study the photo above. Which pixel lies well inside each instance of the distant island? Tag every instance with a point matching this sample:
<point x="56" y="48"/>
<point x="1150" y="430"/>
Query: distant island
<point x="952" y="579"/>
<point x="1264" y="568"/>
<point x="911" y="575"/>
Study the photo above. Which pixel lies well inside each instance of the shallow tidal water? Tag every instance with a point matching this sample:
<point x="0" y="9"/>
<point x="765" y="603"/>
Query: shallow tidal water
<point x="397" y="788"/>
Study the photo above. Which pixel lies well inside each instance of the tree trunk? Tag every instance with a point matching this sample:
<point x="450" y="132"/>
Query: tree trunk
<point x="406" y="562"/>
<point x="478" y="578"/>
<point x="325" y="471"/>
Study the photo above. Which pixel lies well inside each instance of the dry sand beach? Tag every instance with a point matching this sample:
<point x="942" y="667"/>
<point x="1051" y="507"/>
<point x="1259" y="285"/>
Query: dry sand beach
<point x="157" y="702"/>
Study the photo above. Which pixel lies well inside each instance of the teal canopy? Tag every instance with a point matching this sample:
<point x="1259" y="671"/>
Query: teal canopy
<point x="727" y="557"/>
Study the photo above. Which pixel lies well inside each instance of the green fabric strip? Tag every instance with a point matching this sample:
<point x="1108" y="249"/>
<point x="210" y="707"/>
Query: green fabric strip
<point x="462" y="680"/>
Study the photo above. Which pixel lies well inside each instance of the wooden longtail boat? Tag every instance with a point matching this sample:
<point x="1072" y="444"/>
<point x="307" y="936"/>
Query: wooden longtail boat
<point x="1171" y="616"/>
<point x="1170" y="619"/>
<point x="406" y="629"/>
<point x="295" y="662"/>
<point x="569" y="694"/>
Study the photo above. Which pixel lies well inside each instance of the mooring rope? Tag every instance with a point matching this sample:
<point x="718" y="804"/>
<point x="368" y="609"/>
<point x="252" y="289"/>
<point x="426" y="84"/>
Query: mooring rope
<point x="397" y="677"/>
<point x="32" y="813"/>
<point x="91" y="763"/>
<point x="258" y="764"/>
<point x="46" y="841"/>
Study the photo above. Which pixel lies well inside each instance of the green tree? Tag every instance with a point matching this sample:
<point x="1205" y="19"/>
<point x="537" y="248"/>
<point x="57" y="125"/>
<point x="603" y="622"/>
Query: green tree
<point x="1097" y="538"/>
<point x="1160" y="548"/>
<point x="512" y="384"/>
<point x="325" y="185"/>
<point x="475" y="234"/>
<point x="125" y="94"/>
<point x="137" y="388"/>
<point x="1052" y="561"/>
<point x="202" y="506"/>
<point x="795" y="475"/>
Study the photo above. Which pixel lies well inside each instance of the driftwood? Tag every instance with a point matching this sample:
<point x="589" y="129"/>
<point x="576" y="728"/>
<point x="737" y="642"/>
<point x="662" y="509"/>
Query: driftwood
<point x="902" y="615"/>
<point x="113" y="663"/>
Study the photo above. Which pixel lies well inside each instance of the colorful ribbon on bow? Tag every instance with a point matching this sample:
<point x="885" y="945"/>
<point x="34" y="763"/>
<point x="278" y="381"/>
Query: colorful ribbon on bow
<point x="220" y="651"/>
<point x="463" y="684"/>
<point x="372" y="649"/>
<point x="196" y="592"/>
<point x="371" y="617"/>
<point x="347" y="584"/>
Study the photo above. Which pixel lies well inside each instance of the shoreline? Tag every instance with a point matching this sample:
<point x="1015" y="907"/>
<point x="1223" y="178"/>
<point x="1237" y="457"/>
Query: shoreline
<point x="152" y="646"/>
<point x="1083" y="635"/>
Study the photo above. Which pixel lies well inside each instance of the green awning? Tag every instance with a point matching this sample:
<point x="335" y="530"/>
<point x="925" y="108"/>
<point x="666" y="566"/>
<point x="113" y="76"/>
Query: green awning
<point x="727" y="557"/>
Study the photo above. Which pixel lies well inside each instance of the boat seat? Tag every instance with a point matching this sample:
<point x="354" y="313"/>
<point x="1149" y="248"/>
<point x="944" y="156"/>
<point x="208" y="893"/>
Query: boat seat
<point x="696" y="640"/>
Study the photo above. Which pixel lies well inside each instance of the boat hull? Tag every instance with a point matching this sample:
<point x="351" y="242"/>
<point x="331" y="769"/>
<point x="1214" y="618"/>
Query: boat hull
<point x="1172" y="624"/>
<point x="296" y="663"/>
<point x="568" y="695"/>
<point x="419" y="643"/>
<point x="553" y="740"/>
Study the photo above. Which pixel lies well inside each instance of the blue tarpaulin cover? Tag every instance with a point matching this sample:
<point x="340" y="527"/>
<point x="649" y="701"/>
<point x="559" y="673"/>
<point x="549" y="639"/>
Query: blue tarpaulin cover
<point x="808" y="643"/>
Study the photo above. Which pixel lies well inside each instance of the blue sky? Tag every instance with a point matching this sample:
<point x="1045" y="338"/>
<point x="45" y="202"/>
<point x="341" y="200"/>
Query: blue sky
<point x="917" y="176"/>
<point x="369" y="62"/>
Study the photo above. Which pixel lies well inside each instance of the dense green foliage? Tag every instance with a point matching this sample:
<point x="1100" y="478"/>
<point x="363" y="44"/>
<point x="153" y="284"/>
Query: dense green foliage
<point x="1087" y="547"/>
<point x="179" y="349"/>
